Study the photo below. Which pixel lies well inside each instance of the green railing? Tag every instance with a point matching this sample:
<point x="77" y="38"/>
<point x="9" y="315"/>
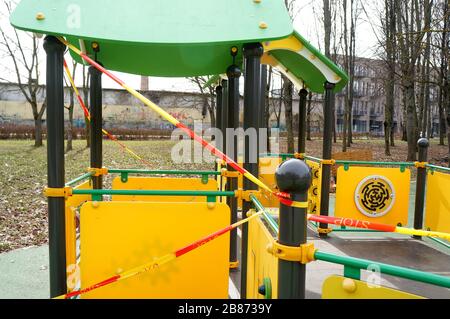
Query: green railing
<point x="79" y="179"/>
<point x="270" y="221"/>
<point x="161" y="172"/>
<point x="125" y="172"/>
<point x="438" y="168"/>
<point x="353" y="267"/>
<point x="211" y="195"/>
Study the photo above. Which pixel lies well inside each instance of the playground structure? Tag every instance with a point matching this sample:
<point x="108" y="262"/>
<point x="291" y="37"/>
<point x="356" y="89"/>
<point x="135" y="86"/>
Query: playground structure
<point x="160" y="237"/>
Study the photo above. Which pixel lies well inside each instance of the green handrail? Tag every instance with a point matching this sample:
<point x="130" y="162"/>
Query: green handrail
<point x="439" y="168"/>
<point x="272" y="223"/>
<point x="79" y="179"/>
<point x="97" y="192"/>
<point x="313" y="159"/>
<point x="407" y="273"/>
<point x="159" y="172"/>
<point x="375" y="163"/>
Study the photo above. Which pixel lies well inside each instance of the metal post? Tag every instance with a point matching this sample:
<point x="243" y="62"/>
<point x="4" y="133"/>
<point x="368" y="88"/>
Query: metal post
<point x="219" y="126"/>
<point x="420" y="185"/>
<point x="327" y="152"/>
<point x="252" y="84"/>
<point x="55" y="164"/>
<point x="219" y="100"/>
<point x="224" y="116"/>
<point x="262" y="109"/>
<point x="302" y="121"/>
<point x="95" y="95"/>
<point x="233" y="73"/>
<point x="293" y="177"/>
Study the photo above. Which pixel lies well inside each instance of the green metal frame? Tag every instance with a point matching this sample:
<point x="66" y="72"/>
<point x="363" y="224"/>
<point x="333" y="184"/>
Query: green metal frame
<point x="353" y="266"/>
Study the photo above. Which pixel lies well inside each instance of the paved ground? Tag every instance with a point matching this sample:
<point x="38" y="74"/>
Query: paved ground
<point x="24" y="273"/>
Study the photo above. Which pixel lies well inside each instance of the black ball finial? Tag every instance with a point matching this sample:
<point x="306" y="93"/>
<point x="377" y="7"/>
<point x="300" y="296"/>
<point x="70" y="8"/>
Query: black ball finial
<point x="293" y="176"/>
<point x="423" y="142"/>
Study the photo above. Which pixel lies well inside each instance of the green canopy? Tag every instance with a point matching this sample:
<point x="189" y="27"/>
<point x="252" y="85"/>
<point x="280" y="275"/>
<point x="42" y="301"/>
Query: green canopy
<point x="176" y="38"/>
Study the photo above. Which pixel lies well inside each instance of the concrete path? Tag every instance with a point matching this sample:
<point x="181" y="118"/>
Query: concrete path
<point x="24" y="274"/>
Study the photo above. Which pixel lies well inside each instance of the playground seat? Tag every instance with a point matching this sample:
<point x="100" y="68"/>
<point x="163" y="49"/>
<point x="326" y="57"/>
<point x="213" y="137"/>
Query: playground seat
<point x="163" y="183"/>
<point x="118" y="236"/>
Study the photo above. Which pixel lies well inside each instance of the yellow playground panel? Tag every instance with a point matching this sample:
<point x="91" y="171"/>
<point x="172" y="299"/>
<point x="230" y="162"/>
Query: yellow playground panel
<point x="267" y="168"/>
<point x="373" y="194"/>
<point x="337" y="287"/>
<point x="315" y="189"/>
<point x="163" y="183"/>
<point x="113" y="241"/>
<point x="437" y="216"/>
<point x="262" y="267"/>
<point x="71" y="204"/>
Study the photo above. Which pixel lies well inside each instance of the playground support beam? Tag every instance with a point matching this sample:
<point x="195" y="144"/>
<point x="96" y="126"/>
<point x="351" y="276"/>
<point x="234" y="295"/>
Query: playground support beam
<point x="233" y="74"/>
<point x="95" y="95"/>
<point x="224" y="117"/>
<point x="262" y="101"/>
<point x="294" y="178"/>
<point x="55" y="164"/>
<point x="252" y="85"/>
<point x="327" y="152"/>
<point x="420" y="185"/>
<point x="302" y="121"/>
<point x="219" y="100"/>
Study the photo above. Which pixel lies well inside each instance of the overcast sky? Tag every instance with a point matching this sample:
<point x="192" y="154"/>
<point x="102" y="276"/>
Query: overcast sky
<point x="305" y="22"/>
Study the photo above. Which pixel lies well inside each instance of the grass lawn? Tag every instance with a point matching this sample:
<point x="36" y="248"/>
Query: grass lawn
<point x="23" y="209"/>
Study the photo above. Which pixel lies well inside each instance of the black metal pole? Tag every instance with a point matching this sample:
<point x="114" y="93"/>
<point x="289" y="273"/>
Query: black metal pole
<point x="262" y="109"/>
<point x="293" y="177"/>
<point x="224" y="115"/>
<point x="55" y="164"/>
<point x="302" y="121"/>
<point x="252" y="84"/>
<point x="327" y="152"/>
<point x="420" y="185"/>
<point x="95" y="94"/>
<point x="219" y="100"/>
<point x="233" y="73"/>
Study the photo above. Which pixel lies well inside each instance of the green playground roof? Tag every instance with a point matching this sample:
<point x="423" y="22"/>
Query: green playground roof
<point x="176" y="38"/>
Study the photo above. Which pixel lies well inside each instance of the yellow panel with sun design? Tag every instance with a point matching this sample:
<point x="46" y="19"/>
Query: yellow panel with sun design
<point x="118" y="236"/>
<point x="373" y="194"/>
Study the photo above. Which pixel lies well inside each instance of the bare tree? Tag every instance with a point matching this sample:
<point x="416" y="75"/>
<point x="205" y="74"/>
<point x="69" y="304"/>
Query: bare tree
<point x="70" y="108"/>
<point x="85" y="89"/>
<point x="25" y="64"/>
<point x="410" y="33"/>
<point x="209" y="97"/>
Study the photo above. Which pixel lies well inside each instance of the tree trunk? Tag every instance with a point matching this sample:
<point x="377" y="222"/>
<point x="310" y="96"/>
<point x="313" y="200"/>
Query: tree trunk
<point x="69" y="145"/>
<point x="86" y="103"/>
<point x="308" y="117"/>
<point x="38" y="132"/>
<point x="411" y="122"/>
<point x="288" y="92"/>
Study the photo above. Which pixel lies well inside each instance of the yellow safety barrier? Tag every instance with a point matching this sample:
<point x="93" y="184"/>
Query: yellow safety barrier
<point x="437" y="215"/>
<point x="262" y="266"/>
<point x="337" y="287"/>
<point x="116" y="236"/>
<point x="71" y="204"/>
<point x="375" y="194"/>
<point x="163" y="183"/>
<point x="314" y="191"/>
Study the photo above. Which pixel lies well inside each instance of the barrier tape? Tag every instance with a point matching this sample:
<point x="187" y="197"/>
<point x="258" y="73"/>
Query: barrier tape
<point x="88" y="116"/>
<point x="348" y="222"/>
<point x="158" y="262"/>
<point x="214" y="151"/>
